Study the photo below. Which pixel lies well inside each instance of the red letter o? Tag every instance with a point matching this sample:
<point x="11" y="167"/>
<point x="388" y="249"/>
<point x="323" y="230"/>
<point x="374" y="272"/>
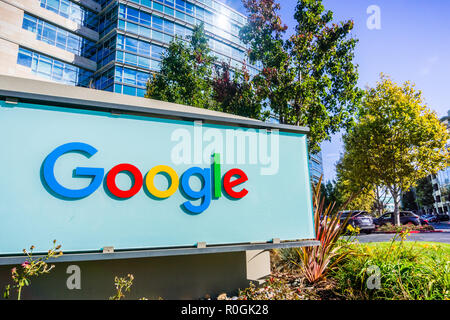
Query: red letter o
<point x="111" y="180"/>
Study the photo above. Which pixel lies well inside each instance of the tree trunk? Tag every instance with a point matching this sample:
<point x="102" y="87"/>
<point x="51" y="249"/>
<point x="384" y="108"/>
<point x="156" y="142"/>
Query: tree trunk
<point x="396" y="195"/>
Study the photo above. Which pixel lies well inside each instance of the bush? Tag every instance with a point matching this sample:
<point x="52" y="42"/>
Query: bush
<point x="406" y="271"/>
<point x="388" y="227"/>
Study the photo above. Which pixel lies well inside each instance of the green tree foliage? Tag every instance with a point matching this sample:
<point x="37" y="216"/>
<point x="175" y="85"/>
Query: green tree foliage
<point x="235" y="93"/>
<point x="396" y="140"/>
<point x="308" y="79"/>
<point x="330" y="194"/>
<point x="409" y="200"/>
<point x="187" y="77"/>
<point x="424" y="192"/>
<point x="186" y="72"/>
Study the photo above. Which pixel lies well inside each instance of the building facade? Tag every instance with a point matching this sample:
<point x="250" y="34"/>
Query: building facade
<point x="441" y="183"/>
<point x="110" y="45"/>
<point x="315" y="166"/>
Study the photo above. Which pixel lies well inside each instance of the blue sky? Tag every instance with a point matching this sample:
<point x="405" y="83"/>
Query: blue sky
<point x="412" y="44"/>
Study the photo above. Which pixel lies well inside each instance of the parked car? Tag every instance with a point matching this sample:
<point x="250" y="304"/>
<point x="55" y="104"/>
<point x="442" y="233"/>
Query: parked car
<point x="405" y="218"/>
<point x="358" y="219"/>
<point x="423" y="221"/>
<point x="431" y="218"/>
<point x="443" y="217"/>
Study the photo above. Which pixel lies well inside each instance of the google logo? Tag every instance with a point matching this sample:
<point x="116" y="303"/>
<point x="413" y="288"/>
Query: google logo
<point x="212" y="181"/>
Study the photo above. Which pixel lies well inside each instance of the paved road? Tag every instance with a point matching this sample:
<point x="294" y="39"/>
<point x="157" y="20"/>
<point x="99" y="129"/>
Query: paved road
<point x="435" y="236"/>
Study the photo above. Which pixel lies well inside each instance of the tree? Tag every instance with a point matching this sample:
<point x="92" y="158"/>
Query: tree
<point x="409" y="200"/>
<point x="360" y="198"/>
<point x="308" y="79"/>
<point x="186" y="72"/>
<point x="396" y="140"/>
<point x="424" y="192"/>
<point x="233" y="92"/>
<point x="330" y="194"/>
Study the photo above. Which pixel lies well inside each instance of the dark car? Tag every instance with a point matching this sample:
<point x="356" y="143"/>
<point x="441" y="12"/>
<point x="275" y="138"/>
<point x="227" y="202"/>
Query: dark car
<point x="405" y="218"/>
<point x="358" y="219"/>
<point x="424" y="221"/>
<point x="443" y="217"/>
<point x="431" y="218"/>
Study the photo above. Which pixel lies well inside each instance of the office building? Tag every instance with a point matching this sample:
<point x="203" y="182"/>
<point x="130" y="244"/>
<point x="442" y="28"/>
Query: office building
<point x="109" y="45"/>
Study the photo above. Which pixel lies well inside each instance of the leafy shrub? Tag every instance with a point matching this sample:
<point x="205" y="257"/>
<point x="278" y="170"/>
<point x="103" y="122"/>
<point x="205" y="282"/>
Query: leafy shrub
<point x="407" y="271"/>
<point x="388" y="227"/>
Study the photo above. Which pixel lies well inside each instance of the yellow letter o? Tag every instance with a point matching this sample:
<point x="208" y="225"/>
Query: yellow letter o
<point x="173" y="184"/>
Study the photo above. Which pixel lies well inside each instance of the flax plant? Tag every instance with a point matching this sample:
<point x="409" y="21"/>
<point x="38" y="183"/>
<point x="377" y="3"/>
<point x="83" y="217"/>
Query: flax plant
<point x="316" y="261"/>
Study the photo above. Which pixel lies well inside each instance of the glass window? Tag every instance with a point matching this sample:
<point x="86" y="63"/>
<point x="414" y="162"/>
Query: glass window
<point x="64" y="9"/>
<point x="121" y="24"/>
<point x="144" y="62"/>
<point x="169" y="11"/>
<point x="180" y="15"/>
<point x="145" y="18"/>
<point x="118" y="74"/>
<point x="122" y="11"/>
<point x="70" y="74"/>
<point x="190" y="19"/>
<point x="132" y="14"/>
<point x="131" y="44"/>
<point x="61" y="39"/>
<point x="141" y="79"/>
<point x="24" y="58"/>
<point x="58" y="68"/>
<point x="118" y="88"/>
<point x="49" y="34"/>
<point x="141" y="92"/>
<point x="157" y="23"/>
<point x="119" y="55"/>
<point x="146" y="32"/>
<point x="181" y="5"/>
<point x="130" y="59"/>
<point x="120" y="41"/>
<point x="129" y="76"/>
<point x="157" y="51"/>
<point x="157" y="35"/>
<point x="44" y="66"/>
<point x="168" y="27"/>
<point x="129" y="90"/>
<point x="29" y="23"/>
<point x="189" y="8"/>
<point x="144" y="48"/>
<point x="199" y="12"/>
<point x="167" y="38"/>
<point x="131" y="27"/>
<point x="155" y="65"/>
<point x="169" y="2"/>
<point x="158" y="6"/>
<point x="147" y="3"/>
<point x="73" y="43"/>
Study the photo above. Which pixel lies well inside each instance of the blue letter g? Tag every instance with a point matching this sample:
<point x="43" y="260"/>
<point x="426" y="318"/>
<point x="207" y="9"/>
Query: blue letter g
<point x="49" y="175"/>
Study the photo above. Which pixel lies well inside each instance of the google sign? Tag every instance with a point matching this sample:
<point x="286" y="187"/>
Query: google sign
<point x="212" y="181"/>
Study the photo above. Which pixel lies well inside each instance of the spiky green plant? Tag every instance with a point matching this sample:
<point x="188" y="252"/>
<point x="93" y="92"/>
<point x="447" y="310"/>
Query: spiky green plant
<point x="317" y="260"/>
